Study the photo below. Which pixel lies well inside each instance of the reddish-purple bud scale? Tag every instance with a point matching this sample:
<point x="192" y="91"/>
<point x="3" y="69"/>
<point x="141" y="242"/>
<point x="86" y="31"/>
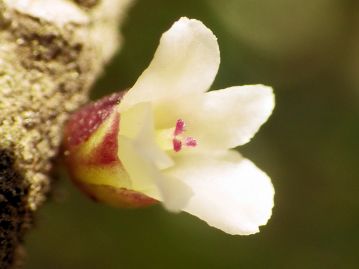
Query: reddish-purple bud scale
<point x="102" y="156"/>
<point x="85" y="121"/>
<point x="117" y="197"/>
<point x="106" y="152"/>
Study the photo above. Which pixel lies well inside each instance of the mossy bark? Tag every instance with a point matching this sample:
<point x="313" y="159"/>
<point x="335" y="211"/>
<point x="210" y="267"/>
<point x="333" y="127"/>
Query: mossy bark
<point x="50" y="55"/>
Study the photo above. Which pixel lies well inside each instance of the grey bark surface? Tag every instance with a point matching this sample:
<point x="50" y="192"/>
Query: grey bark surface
<point x="51" y="52"/>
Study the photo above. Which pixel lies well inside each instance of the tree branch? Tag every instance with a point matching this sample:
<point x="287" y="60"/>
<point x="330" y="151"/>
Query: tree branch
<point x="51" y="52"/>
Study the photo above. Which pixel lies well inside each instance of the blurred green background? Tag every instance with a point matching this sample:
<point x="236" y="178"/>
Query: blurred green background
<point x="309" y="52"/>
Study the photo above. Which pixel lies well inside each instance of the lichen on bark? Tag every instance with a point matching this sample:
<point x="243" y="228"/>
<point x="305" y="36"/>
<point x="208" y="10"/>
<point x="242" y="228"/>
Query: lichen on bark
<point x="50" y="55"/>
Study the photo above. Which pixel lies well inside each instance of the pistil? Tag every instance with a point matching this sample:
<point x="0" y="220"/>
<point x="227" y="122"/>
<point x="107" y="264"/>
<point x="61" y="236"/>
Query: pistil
<point x="179" y="140"/>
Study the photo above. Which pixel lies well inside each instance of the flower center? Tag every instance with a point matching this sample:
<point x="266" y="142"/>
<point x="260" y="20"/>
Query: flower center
<point x="179" y="140"/>
<point x="175" y="139"/>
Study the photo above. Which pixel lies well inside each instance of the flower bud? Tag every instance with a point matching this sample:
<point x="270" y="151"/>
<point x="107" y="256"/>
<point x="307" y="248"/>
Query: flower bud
<point x="91" y="154"/>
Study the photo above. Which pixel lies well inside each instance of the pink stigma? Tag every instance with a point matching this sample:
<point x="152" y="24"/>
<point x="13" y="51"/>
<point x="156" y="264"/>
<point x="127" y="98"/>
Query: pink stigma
<point x="190" y="142"/>
<point x="177" y="144"/>
<point x="180" y="125"/>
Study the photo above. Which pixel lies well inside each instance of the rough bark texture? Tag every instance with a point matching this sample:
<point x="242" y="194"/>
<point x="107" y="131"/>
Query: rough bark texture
<point x="51" y="52"/>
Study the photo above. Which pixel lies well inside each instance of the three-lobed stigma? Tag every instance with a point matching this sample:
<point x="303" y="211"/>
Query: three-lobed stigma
<point x="178" y="140"/>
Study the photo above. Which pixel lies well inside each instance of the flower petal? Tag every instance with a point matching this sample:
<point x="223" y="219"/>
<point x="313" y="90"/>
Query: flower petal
<point x="143" y="159"/>
<point x="230" y="117"/>
<point x="175" y="193"/>
<point x="148" y="179"/>
<point x="142" y="171"/>
<point x="220" y="119"/>
<point x="136" y="124"/>
<point x="186" y="61"/>
<point x="231" y="193"/>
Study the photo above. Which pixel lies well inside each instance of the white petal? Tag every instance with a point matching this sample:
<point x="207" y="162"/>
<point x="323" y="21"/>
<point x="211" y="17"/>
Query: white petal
<point x="186" y="61"/>
<point x="142" y="172"/>
<point x="136" y="124"/>
<point x="148" y="179"/>
<point x="175" y="193"/>
<point x="230" y="117"/>
<point x="231" y="194"/>
<point x="143" y="159"/>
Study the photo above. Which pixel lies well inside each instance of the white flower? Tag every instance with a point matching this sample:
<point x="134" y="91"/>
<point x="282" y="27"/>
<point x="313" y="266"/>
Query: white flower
<point x="176" y="139"/>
